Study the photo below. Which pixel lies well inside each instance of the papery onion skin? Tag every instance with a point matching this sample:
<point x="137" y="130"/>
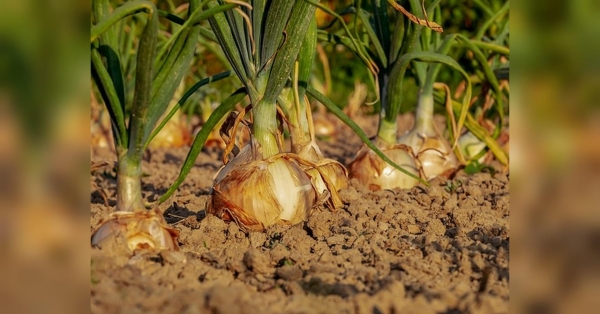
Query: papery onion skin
<point x="377" y="174"/>
<point x="335" y="171"/>
<point x="259" y="193"/>
<point x="141" y="230"/>
<point x="327" y="175"/>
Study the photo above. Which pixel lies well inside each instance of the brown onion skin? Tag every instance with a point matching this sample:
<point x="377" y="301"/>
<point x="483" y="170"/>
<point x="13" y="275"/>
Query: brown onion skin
<point x="337" y="173"/>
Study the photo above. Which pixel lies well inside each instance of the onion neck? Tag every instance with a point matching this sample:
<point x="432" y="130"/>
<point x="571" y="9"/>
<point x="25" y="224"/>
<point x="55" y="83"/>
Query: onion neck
<point x="424" y="115"/>
<point x="129" y="184"/>
<point x="387" y="131"/>
<point x="264" y="128"/>
<point x="298" y="116"/>
<point x="390" y="106"/>
<point x="300" y="136"/>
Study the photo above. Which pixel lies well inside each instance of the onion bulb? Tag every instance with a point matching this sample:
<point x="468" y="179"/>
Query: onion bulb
<point x="377" y="174"/>
<point x="257" y="193"/>
<point x="433" y="153"/>
<point x="323" y="126"/>
<point x="174" y="134"/>
<point x="470" y="146"/>
<point x="140" y="230"/>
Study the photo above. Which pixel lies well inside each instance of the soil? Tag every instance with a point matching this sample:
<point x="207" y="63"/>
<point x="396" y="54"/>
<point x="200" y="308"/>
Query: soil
<point x="437" y="249"/>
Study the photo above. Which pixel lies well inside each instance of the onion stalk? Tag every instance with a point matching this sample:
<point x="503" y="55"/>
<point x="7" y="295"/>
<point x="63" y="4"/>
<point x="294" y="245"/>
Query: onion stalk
<point x="433" y="153"/>
<point x="304" y="144"/>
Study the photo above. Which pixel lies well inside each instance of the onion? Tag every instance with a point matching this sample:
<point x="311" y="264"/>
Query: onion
<point x="433" y="153"/>
<point x="174" y="134"/>
<point x="471" y="146"/>
<point x="141" y="230"/>
<point x="304" y="145"/>
<point x="323" y="126"/>
<point x="335" y="171"/>
<point x="377" y="174"/>
<point x="258" y="193"/>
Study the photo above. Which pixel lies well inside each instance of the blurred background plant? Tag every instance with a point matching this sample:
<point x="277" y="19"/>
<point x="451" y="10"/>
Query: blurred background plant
<point x="555" y="155"/>
<point x="44" y="156"/>
<point x="342" y="71"/>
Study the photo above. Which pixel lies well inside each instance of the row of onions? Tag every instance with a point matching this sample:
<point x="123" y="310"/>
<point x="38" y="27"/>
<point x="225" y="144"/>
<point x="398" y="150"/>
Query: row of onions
<point x="416" y="45"/>
<point x="270" y="47"/>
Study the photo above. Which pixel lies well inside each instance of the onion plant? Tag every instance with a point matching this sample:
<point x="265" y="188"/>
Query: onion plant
<point x="158" y="73"/>
<point x="485" y="51"/>
<point x="263" y="185"/>
<point x="264" y="41"/>
<point x="388" y="52"/>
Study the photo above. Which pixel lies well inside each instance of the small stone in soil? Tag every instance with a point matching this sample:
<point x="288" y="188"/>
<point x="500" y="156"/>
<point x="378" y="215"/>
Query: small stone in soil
<point x="173" y="257"/>
<point x="289" y="272"/>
